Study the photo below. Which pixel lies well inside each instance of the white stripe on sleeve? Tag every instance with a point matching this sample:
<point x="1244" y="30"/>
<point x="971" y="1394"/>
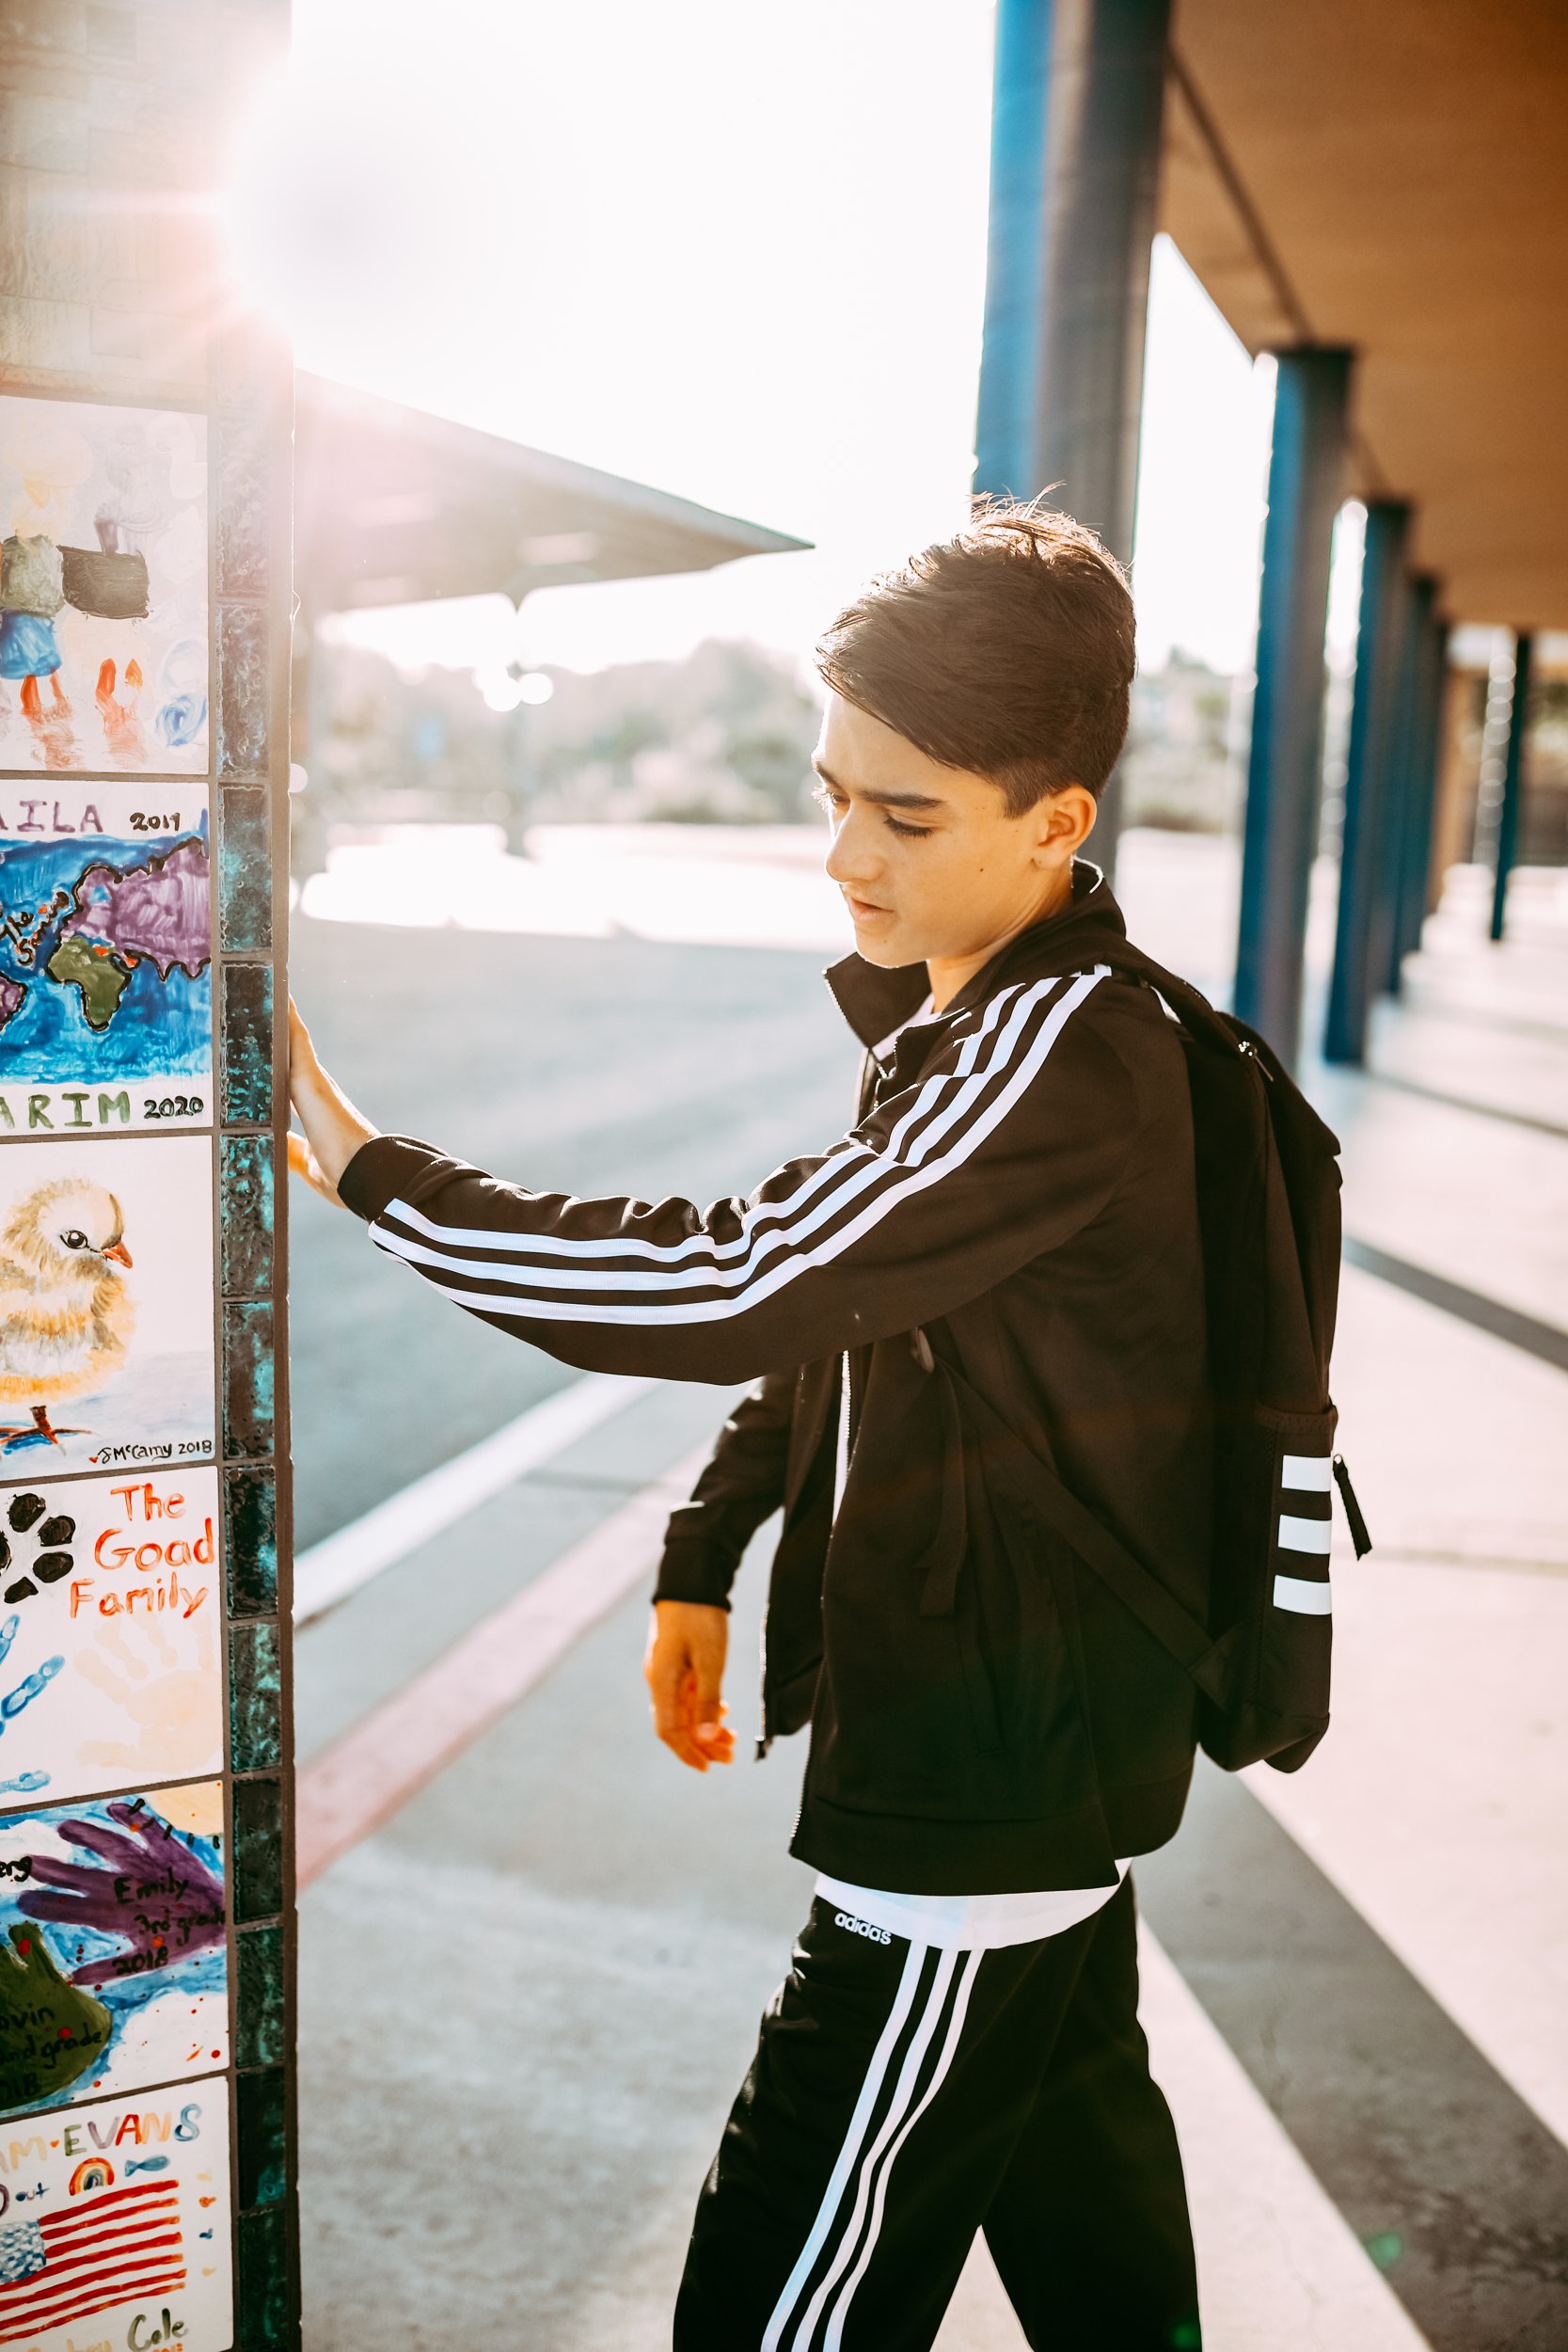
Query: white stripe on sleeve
<point x="523" y="1290"/>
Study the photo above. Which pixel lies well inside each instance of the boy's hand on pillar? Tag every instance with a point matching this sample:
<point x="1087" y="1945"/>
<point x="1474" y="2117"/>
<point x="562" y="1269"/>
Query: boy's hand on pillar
<point x="684" y="1669"/>
<point x="303" y="1163"/>
<point x="334" y="1130"/>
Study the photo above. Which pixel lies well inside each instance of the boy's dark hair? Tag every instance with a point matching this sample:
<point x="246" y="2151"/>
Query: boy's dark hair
<point x="1007" y="650"/>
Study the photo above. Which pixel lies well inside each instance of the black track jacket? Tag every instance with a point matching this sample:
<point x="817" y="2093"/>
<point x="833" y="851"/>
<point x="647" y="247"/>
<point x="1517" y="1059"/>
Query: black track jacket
<point x="1017" y="1199"/>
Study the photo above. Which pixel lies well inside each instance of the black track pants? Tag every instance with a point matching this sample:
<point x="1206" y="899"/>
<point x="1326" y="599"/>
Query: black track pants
<point x="903" y="2097"/>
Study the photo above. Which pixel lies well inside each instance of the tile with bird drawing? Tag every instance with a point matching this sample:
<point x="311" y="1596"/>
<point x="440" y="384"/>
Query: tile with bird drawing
<point x="105" y="949"/>
<point x="111" y="1668"/>
<point x="105" y="1306"/>
<point x="113" y="1955"/>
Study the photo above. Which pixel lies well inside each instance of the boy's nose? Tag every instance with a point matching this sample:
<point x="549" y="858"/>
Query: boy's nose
<point x="851" y="857"/>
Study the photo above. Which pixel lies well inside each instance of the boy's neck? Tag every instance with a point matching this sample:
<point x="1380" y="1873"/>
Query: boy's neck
<point x="950" y="975"/>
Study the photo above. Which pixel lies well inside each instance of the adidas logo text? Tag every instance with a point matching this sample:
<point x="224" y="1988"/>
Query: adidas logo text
<point x="862" y="1926"/>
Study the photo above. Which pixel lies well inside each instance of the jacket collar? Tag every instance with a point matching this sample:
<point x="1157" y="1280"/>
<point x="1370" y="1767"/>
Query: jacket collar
<point x="875" y="1001"/>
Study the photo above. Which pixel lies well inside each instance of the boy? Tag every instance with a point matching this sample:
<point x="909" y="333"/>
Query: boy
<point x="1006" y="1239"/>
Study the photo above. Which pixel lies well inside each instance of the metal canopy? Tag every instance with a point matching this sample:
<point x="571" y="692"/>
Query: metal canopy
<point x="392" y="506"/>
<point x="1396" y="178"/>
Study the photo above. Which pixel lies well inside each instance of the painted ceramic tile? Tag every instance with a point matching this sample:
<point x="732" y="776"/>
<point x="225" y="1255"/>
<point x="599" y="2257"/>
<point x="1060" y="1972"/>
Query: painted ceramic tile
<point x="115" y="2226"/>
<point x="110" y="1664"/>
<point x="106" y="946"/>
<point x="112" y="1970"/>
<point x="106" y="1305"/>
<point x="103" y="588"/>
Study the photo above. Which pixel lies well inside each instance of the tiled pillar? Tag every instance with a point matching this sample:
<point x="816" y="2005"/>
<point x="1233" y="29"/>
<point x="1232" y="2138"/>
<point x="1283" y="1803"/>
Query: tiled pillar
<point x="147" y="2140"/>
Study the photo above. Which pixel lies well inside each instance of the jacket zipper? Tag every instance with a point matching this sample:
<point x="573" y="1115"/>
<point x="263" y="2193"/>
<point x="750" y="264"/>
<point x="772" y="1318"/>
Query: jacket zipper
<point x="765" y="1735"/>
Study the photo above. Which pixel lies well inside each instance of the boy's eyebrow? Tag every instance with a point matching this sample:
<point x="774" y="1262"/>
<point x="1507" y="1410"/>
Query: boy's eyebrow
<point x="884" y="800"/>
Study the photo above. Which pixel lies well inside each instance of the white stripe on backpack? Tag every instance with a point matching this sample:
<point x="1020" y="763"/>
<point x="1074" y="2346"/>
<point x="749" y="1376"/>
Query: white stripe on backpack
<point x="1304" y="1534"/>
<point x="1304" y="1595"/>
<point x="1308" y="1474"/>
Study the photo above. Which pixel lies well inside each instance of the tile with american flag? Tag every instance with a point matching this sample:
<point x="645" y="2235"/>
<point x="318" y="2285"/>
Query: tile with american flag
<point x="116" y="2214"/>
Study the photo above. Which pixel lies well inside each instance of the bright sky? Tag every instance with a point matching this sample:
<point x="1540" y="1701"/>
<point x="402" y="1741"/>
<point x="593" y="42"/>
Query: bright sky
<point x="737" y="251"/>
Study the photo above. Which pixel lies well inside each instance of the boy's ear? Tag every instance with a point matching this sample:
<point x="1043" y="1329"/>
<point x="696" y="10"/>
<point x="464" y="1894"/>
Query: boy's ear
<point x="1066" y="822"/>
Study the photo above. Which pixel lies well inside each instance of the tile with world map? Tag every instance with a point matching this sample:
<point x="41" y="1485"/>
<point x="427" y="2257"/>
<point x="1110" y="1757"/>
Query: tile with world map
<point x="105" y="947"/>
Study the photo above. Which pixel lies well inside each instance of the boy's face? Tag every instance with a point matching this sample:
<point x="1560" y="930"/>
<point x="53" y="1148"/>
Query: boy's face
<point x="932" y="866"/>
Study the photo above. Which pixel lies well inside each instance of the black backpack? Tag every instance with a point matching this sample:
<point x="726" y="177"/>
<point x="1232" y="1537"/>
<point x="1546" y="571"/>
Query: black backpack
<point x="1268" y="1190"/>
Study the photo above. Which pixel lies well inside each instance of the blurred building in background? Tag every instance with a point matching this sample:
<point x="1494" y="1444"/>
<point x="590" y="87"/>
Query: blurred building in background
<point x="397" y="507"/>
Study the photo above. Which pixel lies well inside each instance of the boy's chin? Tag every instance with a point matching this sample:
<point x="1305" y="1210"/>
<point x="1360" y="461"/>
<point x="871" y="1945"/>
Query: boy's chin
<point x="889" y="955"/>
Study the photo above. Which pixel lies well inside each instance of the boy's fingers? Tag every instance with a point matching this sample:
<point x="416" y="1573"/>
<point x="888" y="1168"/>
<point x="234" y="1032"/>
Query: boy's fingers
<point x="713" y="1734"/>
<point x="707" y="1679"/>
<point x="667" y="1675"/>
<point x="707" y="1675"/>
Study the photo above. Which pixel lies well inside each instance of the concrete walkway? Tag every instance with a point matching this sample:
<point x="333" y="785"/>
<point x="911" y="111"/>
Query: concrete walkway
<point x="527" y="1997"/>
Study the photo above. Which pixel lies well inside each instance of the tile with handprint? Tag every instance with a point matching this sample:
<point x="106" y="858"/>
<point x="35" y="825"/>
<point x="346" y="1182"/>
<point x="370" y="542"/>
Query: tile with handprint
<point x="112" y="1970"/>
<point x="110" y="1643"/>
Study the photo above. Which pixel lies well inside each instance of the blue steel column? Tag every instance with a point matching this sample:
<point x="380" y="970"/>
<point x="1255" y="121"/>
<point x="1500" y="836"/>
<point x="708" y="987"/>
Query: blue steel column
<point x="1015" y="250"/>
<point x="1419" y="793"/>
<point x="1107" y="97"/>
<point x="1075" y="161"/>
<point x="1392" y="818"/>
<point x="1514" y="780"/>
<point x="1285" y="765"/>
<point x="1373" y="715"/>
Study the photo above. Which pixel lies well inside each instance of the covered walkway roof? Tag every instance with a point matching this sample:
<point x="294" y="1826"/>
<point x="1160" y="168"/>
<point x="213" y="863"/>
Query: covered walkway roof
<point x="394" y="506"/>
<point x="1395" y="177"/>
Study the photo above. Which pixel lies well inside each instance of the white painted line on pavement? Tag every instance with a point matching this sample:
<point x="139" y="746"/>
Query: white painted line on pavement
<point x="1279" y="2268"/>
<point x="1278" y="2264"/>
<point x="341" y="1563"/>
<point x="364" y="1777"/>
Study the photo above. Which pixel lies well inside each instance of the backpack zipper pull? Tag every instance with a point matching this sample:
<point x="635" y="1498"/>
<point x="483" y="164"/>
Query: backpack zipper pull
<point x="1354" y="1519"/>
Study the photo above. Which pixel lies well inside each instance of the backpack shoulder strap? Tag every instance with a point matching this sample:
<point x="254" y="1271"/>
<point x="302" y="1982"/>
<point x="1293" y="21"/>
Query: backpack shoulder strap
<point x="1195" y="1012"/>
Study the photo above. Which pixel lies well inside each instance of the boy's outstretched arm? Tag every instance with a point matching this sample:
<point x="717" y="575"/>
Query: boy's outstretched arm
<point x="1014" y="1138"/>
<point x="334" y="1130"/>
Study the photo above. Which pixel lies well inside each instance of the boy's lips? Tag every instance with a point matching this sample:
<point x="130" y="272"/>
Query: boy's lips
<point x="862" y="910"/>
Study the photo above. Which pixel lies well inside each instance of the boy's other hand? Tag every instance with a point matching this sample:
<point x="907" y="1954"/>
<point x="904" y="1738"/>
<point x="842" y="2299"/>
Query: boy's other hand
<point x="334" y="1130"/>
<point x="684" y="1669"/>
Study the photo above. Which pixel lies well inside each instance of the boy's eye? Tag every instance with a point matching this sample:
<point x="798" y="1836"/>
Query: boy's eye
<point x="836" y="803"/>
